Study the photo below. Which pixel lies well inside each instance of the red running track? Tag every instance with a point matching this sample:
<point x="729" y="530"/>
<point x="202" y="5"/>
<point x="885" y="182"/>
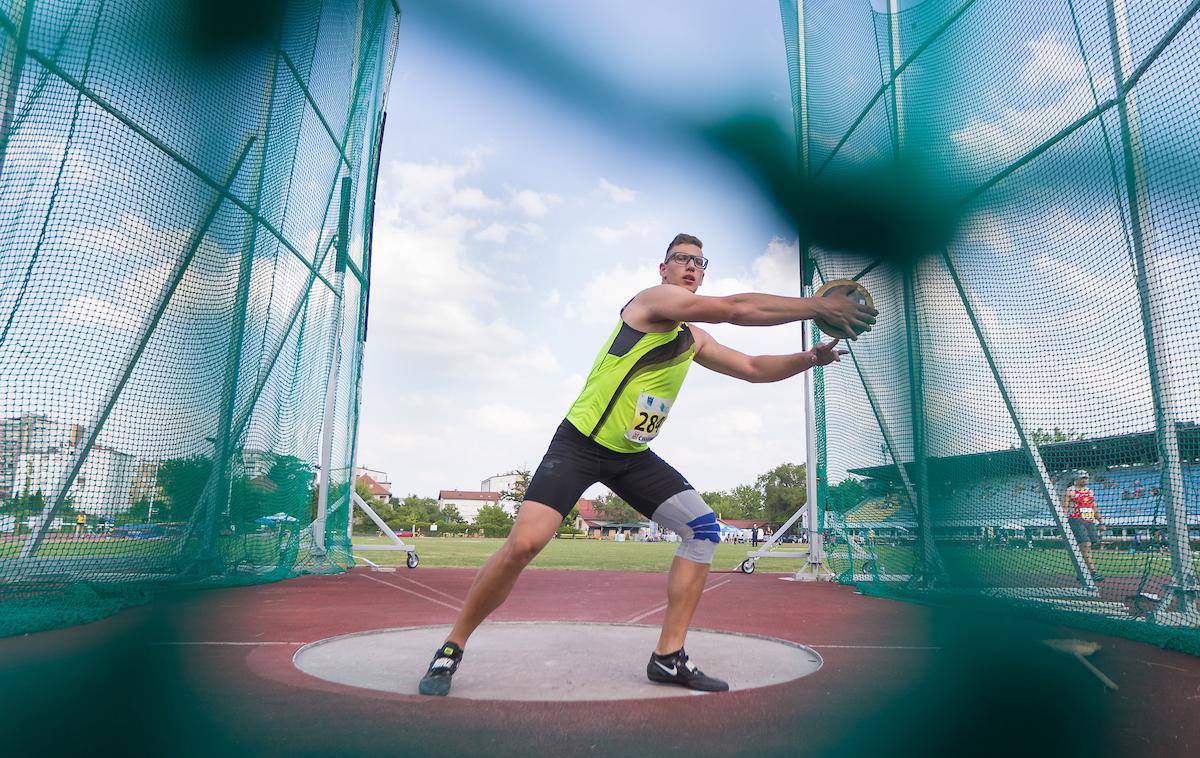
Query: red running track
<point x="898" y="678"/>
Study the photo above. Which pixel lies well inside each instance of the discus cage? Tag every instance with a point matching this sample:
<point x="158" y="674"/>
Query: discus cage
<point x="186" y="197"/>
<point x="1057" y="332"/>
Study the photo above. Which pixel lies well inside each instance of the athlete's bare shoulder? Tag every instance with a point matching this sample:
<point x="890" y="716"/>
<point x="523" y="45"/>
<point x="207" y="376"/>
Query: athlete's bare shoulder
<point x="656" y="309"/>
<point x="644" y="311"/>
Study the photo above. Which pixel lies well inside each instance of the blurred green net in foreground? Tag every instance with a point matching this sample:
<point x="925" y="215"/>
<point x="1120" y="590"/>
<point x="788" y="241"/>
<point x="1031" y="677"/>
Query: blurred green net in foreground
<point x="186" y="191"/>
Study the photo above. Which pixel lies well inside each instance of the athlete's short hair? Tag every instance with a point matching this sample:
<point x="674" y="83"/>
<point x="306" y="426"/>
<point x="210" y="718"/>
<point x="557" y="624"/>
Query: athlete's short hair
<point x="683" y="239"/>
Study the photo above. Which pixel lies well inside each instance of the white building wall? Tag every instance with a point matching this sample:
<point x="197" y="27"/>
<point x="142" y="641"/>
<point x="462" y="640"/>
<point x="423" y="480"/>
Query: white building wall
<point x="499" y="483"/>
<point x="102" y="487"/>
<point x="469" y="509"/>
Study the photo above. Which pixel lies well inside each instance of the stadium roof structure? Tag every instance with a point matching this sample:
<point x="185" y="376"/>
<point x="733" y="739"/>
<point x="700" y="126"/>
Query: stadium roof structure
<point x="1138" y="448"/>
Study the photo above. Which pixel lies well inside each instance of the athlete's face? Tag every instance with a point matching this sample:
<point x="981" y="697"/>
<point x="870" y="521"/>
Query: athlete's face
<point x="681" y="267"/>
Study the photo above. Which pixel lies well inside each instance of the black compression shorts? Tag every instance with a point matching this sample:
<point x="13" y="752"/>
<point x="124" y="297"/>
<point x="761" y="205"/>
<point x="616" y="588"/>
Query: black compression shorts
<point x="573" y="463"/>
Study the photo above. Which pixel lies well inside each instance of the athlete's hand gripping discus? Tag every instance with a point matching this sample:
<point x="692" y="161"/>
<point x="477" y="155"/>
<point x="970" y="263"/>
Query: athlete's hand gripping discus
<point x="857" y="292"/>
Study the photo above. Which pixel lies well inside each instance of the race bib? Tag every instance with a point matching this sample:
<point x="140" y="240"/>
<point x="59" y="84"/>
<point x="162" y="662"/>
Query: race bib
<point x="1088" y="513"/>
<point x="648" y="417"/>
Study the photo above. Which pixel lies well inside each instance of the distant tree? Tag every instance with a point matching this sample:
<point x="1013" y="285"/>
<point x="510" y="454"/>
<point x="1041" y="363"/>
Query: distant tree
<point x="249" y="499"/>
<point x="845" y="495"/>
<point x="181" y="482"/>
<point x="612" y="508"/>
<point x="516" y="494"/>
<point x="25" y="503"/>
<point x="448" y="514"/>
<point x="1040" y="436"/>
<point x="784" y="491"/>
<point x="141" y="511"/>
<point x="572" y="515"/>
<point x="741" y="502"/>
<point x="293" y="479"/>
<point x="285" y="488"/>
<point x="383" y="508"/>
<point x="749" y="500"/>
<point x="494" y="521"/>
<point x="415" y="511"/>
<point x="721" y="504"/>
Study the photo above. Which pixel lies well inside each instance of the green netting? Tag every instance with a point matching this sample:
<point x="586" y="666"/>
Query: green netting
<point x="1056" y="333"/>
<point x="186" y="192"/>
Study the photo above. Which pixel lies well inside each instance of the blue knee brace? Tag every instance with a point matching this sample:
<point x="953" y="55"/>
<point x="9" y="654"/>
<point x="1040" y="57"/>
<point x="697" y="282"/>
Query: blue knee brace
<point x="689" y="516"/>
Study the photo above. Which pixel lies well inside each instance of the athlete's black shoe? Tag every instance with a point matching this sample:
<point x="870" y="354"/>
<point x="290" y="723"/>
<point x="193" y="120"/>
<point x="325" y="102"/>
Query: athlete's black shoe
<point x="445" y="662"/>
<point x="675" y="668"/>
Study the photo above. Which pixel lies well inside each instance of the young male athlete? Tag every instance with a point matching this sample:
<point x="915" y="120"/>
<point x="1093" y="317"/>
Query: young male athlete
<point x="623" y="406"/>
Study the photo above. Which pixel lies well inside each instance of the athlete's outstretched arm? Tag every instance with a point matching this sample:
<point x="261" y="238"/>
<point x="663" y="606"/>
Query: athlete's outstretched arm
<point x="668" y="302"/>
<point x="714" y="356"/>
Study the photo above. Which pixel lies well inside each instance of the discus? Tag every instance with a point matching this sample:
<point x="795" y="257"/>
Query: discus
<point x="855" y="290"/>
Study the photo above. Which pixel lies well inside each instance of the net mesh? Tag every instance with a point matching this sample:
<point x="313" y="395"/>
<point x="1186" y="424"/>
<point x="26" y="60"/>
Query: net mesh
<point x="186" y="192"/>
<point x="1051" y="339"/>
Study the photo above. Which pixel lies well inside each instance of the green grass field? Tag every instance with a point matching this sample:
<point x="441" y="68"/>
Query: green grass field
<point x="967" y="564"/>
<point x="595" y="555"/>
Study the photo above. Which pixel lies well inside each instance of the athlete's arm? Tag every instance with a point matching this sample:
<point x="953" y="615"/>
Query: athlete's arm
<point x="714" y="356"/>
<point x="668" y="302"/>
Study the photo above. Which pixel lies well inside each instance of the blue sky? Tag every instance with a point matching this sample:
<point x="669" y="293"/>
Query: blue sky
<point x="513" y="222"/>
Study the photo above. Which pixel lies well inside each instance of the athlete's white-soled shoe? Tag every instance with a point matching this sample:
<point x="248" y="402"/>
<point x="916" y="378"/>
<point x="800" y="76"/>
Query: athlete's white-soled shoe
<point x="677" y="669"/>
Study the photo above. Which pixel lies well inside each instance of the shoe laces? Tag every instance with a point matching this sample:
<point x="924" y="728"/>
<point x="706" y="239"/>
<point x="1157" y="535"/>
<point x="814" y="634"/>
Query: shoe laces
<point x="682" y="659"/>
<point x="443" y="664"/>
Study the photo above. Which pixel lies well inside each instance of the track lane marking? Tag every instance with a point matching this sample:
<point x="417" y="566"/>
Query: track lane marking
<point x="412" y="592"/>
<point x="431" y="589"/>
<point x="662" y="607"/>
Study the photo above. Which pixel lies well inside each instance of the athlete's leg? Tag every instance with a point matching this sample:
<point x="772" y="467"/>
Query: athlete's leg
<point x="684" y="586"/>
<point x="535" y="526"/>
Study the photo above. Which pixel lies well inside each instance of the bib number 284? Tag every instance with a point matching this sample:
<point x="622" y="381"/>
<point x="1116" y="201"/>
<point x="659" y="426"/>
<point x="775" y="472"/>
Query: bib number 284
<point x="648" y="418"/>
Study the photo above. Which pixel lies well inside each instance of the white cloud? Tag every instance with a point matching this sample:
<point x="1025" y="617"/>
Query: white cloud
<point x="472" y="198"/>
<point x="497" y="233"/>
<point x="533" y="204"/>
<point x="1052" y="62"/>
<point x="87" y="310"/>
<point x="1054" y="77"/>
<point x="431" y="296"/>
<point x="609" y="235"/>
<point x="500" y="233"/>
<point x="616" y="194"/>
<point x="607" y="292"/>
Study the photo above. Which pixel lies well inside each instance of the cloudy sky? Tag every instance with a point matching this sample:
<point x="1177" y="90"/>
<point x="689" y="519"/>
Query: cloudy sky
<point x="514" y="220"/>
<point x="525" y="197"/>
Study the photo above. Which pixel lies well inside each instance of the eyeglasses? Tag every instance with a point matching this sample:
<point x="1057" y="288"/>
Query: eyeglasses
<point x="700" y="261"/>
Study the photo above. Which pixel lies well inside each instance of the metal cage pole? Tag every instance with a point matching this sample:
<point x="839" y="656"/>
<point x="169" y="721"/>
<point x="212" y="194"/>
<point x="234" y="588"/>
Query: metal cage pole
<point x="1150" y="278"/>
<point x="343" y="252"/>
<point x="814" y="567"/>
<point x="931" y="566"/>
